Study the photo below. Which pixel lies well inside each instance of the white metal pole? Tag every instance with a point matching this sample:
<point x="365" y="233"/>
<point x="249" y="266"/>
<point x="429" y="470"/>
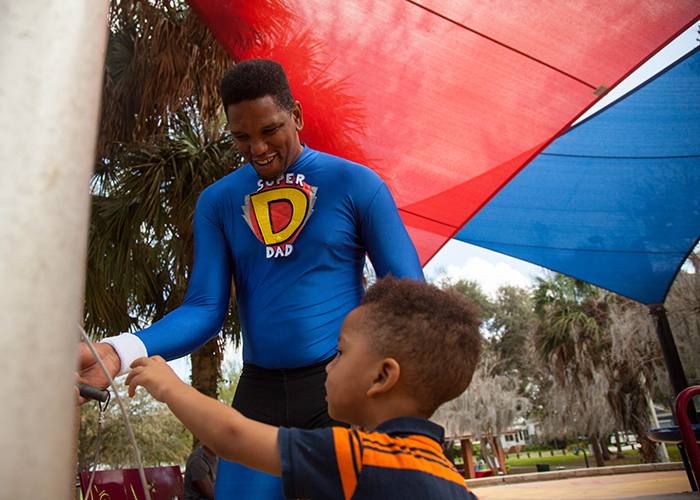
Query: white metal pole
<point x="51" y="58"/>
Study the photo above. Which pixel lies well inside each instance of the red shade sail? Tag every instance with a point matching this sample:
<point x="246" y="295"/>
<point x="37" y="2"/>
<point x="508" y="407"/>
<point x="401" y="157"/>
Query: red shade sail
<point x="447" y="100"/>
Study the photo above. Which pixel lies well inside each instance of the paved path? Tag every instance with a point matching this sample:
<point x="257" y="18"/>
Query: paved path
<point x="666" y="485"/>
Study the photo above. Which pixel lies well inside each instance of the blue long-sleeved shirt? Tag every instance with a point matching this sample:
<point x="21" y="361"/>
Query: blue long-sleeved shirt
<point x="295" y="249"/>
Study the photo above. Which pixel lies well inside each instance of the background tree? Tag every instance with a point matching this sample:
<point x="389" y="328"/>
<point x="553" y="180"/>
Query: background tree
<point x="636" y="371"/>
<point x="507" y="319"/>
<point x="491" y="403"/>
<point x="593" y="340"/>
<point x="473" y="291"/>
<point x="511" y="331"/>
<point x="583" y="412"/>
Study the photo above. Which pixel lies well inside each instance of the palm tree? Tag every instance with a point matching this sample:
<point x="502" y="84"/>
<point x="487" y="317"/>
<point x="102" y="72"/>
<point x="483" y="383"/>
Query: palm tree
<point x="569" y="336"/>
<point x="140" y="244"/>
<point x="160" y="58"/>
<point x="159" y="144"/>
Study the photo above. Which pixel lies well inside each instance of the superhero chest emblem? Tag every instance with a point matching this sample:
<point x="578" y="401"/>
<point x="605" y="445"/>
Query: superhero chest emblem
<point x="278" y="211"/>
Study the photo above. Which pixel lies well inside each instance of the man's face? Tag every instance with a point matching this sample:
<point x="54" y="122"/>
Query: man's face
<point x="266" y="135"/>
<point x="352" y="372"/>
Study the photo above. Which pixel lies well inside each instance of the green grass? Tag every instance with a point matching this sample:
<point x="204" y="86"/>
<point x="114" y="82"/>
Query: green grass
<point x="557" y="460"/>
<point x="572" y="461"/>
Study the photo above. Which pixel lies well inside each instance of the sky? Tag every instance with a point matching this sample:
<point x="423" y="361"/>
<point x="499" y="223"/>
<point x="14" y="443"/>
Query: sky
<point x="459" y="260"/>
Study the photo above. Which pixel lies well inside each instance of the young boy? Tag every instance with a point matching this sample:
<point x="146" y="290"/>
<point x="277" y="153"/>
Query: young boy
<point x="407" y="349"/>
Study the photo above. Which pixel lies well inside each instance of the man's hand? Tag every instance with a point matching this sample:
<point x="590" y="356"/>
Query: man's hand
<point x="90" y="372"/>
<point x="154" y="375"/>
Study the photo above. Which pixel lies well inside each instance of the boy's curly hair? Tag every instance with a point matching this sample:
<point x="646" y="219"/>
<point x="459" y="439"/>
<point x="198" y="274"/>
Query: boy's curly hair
<point x="433" y="334"/>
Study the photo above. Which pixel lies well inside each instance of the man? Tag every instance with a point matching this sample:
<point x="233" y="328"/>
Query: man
<point x="200" y="474"/>
<point x="292" y="227"/>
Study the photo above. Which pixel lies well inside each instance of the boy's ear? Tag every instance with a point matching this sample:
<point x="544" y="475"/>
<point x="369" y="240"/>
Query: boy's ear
<point x="386" y="378"/>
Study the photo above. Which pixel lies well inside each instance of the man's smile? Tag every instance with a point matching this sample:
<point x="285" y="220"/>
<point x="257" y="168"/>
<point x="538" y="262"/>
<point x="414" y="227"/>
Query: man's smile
<point x="264" y="161"/>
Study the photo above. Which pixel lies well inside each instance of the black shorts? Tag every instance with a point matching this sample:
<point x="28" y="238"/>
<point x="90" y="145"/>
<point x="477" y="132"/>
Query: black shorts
<point x="294" y="397"/>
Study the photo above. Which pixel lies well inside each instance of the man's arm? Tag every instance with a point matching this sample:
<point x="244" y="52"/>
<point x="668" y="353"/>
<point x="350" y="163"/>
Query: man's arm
<point x="201" y="315"/>
<point x="387" y="242"/>
<point x="186" y="328"/>
<point x="229" y="434"/>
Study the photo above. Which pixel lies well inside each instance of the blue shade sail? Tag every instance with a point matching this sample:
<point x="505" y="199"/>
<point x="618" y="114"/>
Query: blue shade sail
<point x="614" y="201"/>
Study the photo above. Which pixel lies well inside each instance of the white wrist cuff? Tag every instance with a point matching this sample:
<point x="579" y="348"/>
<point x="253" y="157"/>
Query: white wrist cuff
<point x="129" y="348"/>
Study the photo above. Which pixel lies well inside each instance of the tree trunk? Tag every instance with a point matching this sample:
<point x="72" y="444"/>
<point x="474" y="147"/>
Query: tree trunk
<point x="648" y="447"/>
<point x="498" y="451"/>
<point x="206" y="371"/>
<point x="595" y="443"/>
<point x="604" y="448"/>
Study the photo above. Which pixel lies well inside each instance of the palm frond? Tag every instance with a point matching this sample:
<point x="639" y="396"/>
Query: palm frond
<point x="140" y="243"/>
<point x="160" y="57"/>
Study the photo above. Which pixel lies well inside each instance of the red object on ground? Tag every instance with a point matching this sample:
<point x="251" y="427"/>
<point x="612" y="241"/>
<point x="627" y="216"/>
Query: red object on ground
<point x="689" y="440"/>
<point x="165" y="483"/>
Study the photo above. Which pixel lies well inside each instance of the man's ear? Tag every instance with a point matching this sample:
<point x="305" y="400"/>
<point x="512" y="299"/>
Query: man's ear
<point x="298" y="116"/>
<point x="386" y="378"/>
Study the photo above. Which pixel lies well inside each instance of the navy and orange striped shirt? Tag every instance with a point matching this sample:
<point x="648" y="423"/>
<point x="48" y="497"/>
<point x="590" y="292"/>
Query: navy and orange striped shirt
<point x="402" y="458"/>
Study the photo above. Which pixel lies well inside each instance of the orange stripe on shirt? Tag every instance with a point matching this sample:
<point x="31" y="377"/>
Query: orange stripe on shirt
<point x="413" y="453"/>
<point x="344" y="454"/>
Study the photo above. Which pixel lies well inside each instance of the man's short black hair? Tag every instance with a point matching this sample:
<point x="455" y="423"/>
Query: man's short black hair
<point x="256" y="78"/>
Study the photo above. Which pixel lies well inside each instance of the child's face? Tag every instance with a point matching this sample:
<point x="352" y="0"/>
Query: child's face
<point x="352" y="371"/>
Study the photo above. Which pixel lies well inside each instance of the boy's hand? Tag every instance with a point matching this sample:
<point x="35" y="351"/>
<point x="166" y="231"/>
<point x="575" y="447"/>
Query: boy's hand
<point x="154" y="375"/>
<point x="228" y="433"/>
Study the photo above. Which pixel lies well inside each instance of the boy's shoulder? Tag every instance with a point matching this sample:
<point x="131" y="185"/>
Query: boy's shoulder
<point x="402" y="458"/>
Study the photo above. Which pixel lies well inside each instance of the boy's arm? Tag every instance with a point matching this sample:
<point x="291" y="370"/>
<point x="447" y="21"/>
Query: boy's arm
<point x="229" y="434"/>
